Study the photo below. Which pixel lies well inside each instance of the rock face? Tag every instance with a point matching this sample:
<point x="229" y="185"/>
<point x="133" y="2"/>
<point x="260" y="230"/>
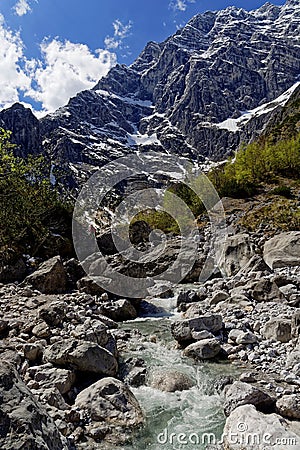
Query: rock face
<point x="289" y="406"/>
<point x="189" y="92"/>
<point x="50" y="278"/>
<point x="240" y="393"/>
<point x="109" y="404"/>
<point x="82" y="356"/>
<point x="23" y="421"/>
<point x="260" y="431"/>
<point x="283" y="250"/>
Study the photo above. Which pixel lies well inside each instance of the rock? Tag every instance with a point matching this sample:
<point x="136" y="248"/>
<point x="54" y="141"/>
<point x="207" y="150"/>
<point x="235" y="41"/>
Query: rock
<point x="283" y="250"/>
<point x="240" y="393"/>
<point x="261" y="431"/>
<point x="82" y="356"/>
<point x="23" y="421"/>
<point x="50" y="278"/>
<point x="110" y="402"/>
<point x="289" y="406"/>
<point x="41" y="330"/>
<point x="199" y="335"/>
<point x="182" y="329"/>
<point x="277" y="329"/>
<point x="170" y="381"/>
<point x="187" y="297"/>
<point x="218" y="297"/>
<point x="296" y="324"/>
<point x="92" y="331"/>
<point x="204" y="349"/>
<point x="54" y="313"/>
<point x="90" y="285"/>
<point x="48" y="376"/>
<point x="32" y="351"/>
<point x="248" y="377"/>
<point x="265" y="291"/>
<point x="242" y="337"/>
<point x="118" y="310"/>
<point x="238" y="250"/>
<point x="133" y="371"/>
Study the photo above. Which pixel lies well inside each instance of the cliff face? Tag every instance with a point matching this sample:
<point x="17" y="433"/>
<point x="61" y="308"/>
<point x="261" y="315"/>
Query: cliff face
<point x="214" y="83"/>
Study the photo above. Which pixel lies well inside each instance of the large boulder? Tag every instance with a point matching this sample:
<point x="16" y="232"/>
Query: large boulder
<point x="240" y="393"/>
<point x="283" y="250"/>
<point x="110" y="408"/>
<point x="182" y="330"/>
<point x="247" y="428"/>
<point x="53" y="313"/>
<point x="46" y="376"/>
<point x="170" y="381"/>
<point x="82" y="356"/>
<point x="50" y="278"/>
<point x="237" y="252"/>
<point x="24" y="423"/>
<point x="278" y="329"/>
<point x="204" y="349"/>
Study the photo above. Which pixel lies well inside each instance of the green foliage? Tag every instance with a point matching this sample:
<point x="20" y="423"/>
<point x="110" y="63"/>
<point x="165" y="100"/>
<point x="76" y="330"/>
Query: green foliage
<point x="159" y="220"/>
<point x="283" y="191"/>
<point x="28" y="200"/>
<point x="258" y="162"/>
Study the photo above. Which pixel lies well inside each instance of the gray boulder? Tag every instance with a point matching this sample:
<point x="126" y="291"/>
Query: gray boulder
<point x="109" y="405"/>
<point x="24" y="423"/>
<point x="182" y="329"/>
<point x="278" y="329"/>
<point x="118" y="310"/>
<point x="170" y="381"/>
<point x="240" y="393"/>
<point x="238" y="250"/>
<point x="283" y="250"/>
<point x="262" y="431"/>
<point x="83" y="356"/>
<point x="50" y="278"/>
<point x="204" y="349"/>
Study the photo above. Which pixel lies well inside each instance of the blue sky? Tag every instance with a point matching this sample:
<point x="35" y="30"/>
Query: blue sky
<point x="52" y="49"/>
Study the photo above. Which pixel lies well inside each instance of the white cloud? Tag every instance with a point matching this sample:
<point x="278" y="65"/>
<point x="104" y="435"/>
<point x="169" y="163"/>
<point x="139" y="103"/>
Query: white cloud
<point x="180" y="5"/>
<point x="121" y="32"/>
<point x="63" y="70"/>
<point x="13" y="78"/>
<point x="67" y="68"/>
<point x="22" y="7"/>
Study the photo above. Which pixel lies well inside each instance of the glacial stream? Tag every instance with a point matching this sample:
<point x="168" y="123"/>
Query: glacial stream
<point x="191" y="419"/>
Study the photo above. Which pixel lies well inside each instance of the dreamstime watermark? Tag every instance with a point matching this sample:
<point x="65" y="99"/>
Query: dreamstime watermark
<point x="148" y="166"/>
<point x="242" y="437"/>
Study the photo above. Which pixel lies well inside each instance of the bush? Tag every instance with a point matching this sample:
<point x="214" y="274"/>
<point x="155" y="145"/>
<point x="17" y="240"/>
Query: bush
<point x="29" y="203"/>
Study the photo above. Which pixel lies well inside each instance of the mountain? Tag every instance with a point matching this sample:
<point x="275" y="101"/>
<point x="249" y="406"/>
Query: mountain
<point x="215" y="83"/>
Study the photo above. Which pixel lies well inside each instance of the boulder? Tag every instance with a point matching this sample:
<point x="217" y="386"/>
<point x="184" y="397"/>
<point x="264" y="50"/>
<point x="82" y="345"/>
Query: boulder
<point x="289" y="406"/>
<point x="118" y="310"/>
<point x="50" y="278"/>
<point x="238" y="250"/>
<point x="265" y="290"/>
<point x="204" y="349"/>
<point x="109" y="404"/>
<point x="242" y="337"/>
<point x="247" y="428"/>
<point x="53" y="313"/>
<point x="182" y="329"/>
<point x="82" y="356"/>
<point x="24" y="423"/>
<point x="240" y="393"/>
<point x="278" y="329"/>
<point x="47" y="376"/>
<point x="283" y="250"/>
<point x="92" y="286"/>
<point x="187" y="297"/>
<point x="170" y="381"/>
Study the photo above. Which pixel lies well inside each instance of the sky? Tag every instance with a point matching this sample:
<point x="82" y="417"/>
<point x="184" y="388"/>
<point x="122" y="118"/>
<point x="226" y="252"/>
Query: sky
<point x="52" y="49"/>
